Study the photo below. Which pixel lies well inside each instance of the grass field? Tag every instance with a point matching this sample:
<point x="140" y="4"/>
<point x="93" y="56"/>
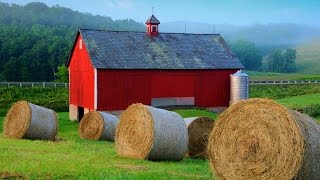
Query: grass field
<point x="272" y="76"/>
<point x="303" y="100"/>
<point x="75" y="158"/>
<point x="283" y="91"/>
<point x="308" y="104"/>
<point x="308" y="57"/>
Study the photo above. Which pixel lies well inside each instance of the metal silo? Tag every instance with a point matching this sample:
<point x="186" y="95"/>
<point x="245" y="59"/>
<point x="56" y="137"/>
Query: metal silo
<point x="239" y="86"/>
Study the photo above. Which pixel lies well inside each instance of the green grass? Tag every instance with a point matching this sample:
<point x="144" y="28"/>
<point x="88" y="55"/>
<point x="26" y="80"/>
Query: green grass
<point x="185" y="113"/>
<point x="308" y="57"/>
<point x="284" y="91"/>
<point x="75" y="158"/>
<point x="303" y="100"/>
<point x="272" y="76"/>
<point x="308" y="104"/>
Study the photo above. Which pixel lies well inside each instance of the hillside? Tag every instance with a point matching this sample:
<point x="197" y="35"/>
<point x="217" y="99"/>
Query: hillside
<point x="265" y="36"/>
<point x="308" y="57"/>
<point x="35" y="39"/>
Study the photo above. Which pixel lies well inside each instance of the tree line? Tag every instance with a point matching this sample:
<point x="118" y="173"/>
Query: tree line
<point x="35" y="39"/>
<point x="278" y="60"/>
<point x="35" y="42"/>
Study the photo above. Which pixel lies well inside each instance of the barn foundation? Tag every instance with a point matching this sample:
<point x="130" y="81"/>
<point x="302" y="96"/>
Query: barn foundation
<point x="73" y="112"/>
<point x="77" y="112"/>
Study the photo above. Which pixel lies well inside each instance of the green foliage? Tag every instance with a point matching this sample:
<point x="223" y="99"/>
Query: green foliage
<point x="63" y="74"/>
<point x="35" y="39"/>
<point x="248" y="54"/>
<point x="75" y="158"/>
<point x="284" y="91"/>
<point x="312" y="110"/>
<point x="282" y="61"/>
<point x="52" y="98"/>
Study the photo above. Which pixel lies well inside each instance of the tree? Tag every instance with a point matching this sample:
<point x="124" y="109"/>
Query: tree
<point x="282" y="61"/>
<point x="248" y="54"/>
<point x="62" y="75"/>
<point x="35" y="39"/>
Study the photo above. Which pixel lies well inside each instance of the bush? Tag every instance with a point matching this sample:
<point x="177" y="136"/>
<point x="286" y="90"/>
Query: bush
<point x="49" y="97"/>
<point x="283" y="91"/>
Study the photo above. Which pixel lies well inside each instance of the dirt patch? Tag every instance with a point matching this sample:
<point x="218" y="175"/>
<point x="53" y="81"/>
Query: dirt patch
<point x="8" y="175"/>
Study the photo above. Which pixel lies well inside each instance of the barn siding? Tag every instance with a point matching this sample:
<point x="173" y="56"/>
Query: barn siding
<point x="117" y="89"/>
<point x="81" y="80"/>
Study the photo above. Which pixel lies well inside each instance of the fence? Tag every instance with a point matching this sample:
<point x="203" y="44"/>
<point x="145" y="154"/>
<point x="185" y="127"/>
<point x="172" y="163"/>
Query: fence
<point x="284" y="82"/>
<point x="33" y="84"/>
<point x="66" y="85"/>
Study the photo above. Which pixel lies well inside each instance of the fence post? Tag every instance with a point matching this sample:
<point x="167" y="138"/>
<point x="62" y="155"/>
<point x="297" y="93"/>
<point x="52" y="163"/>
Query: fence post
<point x="43" y="84"/>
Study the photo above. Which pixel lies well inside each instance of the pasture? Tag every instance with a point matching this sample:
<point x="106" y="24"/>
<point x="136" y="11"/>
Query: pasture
<point x="75" y="158"/>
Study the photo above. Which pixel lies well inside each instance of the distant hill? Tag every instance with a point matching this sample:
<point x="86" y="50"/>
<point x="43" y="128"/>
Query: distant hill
<point x="308" y="57"/>
<point x="266" y="37"/>
<point x="39" y="13"/>
<point x="35" y="39"/>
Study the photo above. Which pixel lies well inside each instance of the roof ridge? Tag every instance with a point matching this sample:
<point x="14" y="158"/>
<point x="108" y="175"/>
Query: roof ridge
<point x="120" y="31"/>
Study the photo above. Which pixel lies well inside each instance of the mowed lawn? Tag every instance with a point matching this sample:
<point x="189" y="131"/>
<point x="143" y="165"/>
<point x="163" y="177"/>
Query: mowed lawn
<point x="301" y="101"/>
<point x="75" y="158"/>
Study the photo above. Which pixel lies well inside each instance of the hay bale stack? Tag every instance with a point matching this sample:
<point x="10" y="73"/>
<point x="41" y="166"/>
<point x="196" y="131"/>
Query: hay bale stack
<point x="260" y="139"/>
<point x="145" y="132"/>
<point x="98" y="126"/>
<point x="199" y="129"/>
<point x="29" y="121"/>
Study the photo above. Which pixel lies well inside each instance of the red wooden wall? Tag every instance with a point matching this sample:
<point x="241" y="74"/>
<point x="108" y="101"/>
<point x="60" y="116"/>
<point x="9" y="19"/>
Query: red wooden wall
<point x="117" y="89"/>
<point x="81" y="91"/>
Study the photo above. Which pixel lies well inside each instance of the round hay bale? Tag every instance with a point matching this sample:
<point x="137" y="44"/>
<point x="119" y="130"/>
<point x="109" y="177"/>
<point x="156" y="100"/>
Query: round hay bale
<point x="98" y="126"/>
<point x="261" y="139"/>
<point x="199" y="129"/>
<point x="29" y="121"/>
<point x="146" y="132"/>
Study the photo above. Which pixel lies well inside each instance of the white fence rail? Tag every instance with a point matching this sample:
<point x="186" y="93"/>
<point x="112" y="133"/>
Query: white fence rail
<point x="33" y="84"/>
<point x="66" y="85"/>
<point x="284" y="82"/>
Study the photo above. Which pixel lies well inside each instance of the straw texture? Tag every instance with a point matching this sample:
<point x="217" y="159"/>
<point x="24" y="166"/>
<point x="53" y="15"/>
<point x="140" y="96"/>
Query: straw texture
<point x="145" y="132"/>
<point x="199" y="129"/>
<point x="29" y="121"/>
<point x="260" y="139"/>
<point x="98" y="126"/>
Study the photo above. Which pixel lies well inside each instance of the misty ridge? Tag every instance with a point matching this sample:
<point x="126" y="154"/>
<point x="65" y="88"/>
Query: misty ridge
<point x="265" y="36"/>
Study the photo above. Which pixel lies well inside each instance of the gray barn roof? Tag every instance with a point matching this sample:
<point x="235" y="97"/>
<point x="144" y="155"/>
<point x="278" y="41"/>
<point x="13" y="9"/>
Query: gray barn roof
<point x="137" y="50"/>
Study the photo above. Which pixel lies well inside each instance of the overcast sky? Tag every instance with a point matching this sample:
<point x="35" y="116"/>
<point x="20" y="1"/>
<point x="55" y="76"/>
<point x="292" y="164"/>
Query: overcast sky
<point x="238" y="12"/>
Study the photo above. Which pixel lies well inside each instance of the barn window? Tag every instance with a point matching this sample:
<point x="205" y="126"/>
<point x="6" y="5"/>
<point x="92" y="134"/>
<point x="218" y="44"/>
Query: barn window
<point x="80" y="44"/>
<point x="154" y="28"/>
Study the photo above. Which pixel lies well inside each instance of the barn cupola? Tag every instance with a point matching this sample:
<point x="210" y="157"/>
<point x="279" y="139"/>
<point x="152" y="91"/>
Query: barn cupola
<point x="152" y="26"/>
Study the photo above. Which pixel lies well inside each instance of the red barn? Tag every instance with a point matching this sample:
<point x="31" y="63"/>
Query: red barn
<point x="109" y="70"/>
